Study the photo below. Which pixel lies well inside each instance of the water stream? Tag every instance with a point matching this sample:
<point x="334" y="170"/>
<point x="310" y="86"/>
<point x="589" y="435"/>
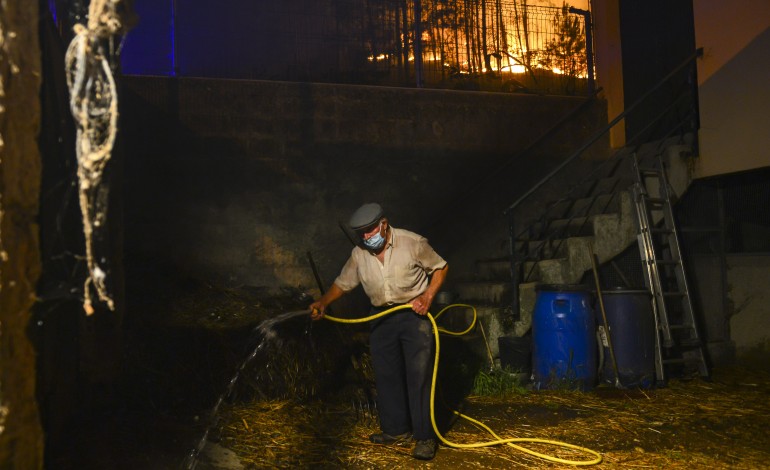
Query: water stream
<point x="266" y="334"/>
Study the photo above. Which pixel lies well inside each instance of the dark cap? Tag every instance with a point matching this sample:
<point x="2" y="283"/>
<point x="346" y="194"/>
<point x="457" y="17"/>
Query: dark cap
<point x="366" y="215"/>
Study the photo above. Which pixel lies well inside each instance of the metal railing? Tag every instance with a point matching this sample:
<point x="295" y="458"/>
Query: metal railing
<point x="685" y="123"/>
<point x="494" y="45"/>
<point x="489" y="45"/>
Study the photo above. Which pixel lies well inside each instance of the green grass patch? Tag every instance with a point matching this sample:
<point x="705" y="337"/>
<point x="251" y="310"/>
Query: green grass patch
<point x="498" y="383"/>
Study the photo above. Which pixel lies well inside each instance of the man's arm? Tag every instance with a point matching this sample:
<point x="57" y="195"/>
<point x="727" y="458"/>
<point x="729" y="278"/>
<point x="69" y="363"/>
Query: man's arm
<point x="318" y="308"/>
<point x="421" y="303"/>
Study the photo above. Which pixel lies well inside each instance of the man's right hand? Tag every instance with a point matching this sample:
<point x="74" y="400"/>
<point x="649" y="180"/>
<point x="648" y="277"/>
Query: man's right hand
<point x="317" y="310"/>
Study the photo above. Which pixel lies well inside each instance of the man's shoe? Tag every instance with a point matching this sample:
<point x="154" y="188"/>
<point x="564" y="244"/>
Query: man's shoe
<point x="384" y="438"/>
<point x="424" y="450"/>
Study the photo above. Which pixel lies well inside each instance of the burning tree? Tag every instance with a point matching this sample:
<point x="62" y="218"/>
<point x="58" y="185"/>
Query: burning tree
<point x="566" y="51"/>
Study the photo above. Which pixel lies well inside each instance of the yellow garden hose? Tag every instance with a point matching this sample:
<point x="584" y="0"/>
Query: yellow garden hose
<point x="498" y="440"/>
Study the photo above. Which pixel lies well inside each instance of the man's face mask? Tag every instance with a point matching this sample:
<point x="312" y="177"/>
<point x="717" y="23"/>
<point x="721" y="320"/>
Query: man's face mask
<point x="376" y="241"/>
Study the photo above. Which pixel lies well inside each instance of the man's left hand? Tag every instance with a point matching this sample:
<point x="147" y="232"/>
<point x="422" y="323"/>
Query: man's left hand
<point x="421" y="303"/>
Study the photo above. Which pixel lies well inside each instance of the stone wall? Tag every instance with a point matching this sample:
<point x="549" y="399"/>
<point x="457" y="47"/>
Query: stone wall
<point x="237" y="181"/>
<point x="21" y="437"/>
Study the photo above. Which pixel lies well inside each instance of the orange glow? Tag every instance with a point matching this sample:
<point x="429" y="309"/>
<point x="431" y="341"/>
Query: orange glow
<point x="515" y="54"/>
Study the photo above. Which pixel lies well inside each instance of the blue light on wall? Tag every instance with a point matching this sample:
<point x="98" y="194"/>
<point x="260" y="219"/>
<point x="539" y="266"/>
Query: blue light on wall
<point x="149" y="48"/>
<point x="52" y="9"/>
<point x="200" y="38"/>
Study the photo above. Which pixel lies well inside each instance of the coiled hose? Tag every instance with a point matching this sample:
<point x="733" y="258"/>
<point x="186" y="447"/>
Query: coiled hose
<point x="597" y="458"/>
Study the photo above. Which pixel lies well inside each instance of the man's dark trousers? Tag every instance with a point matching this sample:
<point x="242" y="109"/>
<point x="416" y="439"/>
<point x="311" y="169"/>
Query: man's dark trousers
<point x="402" y="348"/>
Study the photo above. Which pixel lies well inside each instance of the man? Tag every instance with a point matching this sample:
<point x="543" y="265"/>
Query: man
<point x="395" y="267"/>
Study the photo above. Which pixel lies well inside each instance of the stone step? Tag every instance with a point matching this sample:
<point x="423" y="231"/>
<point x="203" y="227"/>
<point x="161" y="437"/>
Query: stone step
<point x="499" y="269"/>
<point x="621" y="167"/>
<point x="610" y="185"/>
<point x="578" y="210"/>
<point x="547" y="271"/>
<point x="604" y="222"/>
<point x="493" y="269"/>
<point x="577" y="226"/>
<point x="609" y="234"/>
<point x="559" y="248"/>
<point x="484" y="292"/>
<point x="581" y="217"/>
<point x="649" y="150"/>
<point x="598" y="204"/>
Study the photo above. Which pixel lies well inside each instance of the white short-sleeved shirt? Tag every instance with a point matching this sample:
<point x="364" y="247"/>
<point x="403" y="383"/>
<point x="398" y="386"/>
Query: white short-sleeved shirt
<point x="408" y="262"/>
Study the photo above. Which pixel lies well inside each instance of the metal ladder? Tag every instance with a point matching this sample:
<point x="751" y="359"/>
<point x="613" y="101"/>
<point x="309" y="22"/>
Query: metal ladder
<point x="677" y="341"/>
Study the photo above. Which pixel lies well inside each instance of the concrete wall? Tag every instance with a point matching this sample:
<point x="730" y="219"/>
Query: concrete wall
<point x="733" y="91"/>
<point x="712" y="307"/>
<point x="236" y="181"/>
<point x="733" y="99"/>
<point x="749" y="303"/>
<point x="738" y="325"/>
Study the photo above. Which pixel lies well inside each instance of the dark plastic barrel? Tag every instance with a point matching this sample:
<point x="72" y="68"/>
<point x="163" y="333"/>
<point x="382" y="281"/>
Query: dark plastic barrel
<point x="564" y="338"/>
<point x="632" y="334"/>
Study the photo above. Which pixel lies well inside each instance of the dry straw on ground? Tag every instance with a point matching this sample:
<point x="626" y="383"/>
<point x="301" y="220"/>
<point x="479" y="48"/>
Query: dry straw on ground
<point x="688" y="424"/>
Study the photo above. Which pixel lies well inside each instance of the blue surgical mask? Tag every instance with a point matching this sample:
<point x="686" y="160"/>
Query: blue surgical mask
<point x="376" y="241"/>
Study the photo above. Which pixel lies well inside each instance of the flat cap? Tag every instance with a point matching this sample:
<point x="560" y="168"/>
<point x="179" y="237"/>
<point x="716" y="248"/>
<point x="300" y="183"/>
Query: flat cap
<point x="366" y="215"/>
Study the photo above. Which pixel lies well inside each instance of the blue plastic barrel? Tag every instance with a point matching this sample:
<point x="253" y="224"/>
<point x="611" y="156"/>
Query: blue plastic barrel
<point x="563" y="338"/>
<point x="632" y="334"/>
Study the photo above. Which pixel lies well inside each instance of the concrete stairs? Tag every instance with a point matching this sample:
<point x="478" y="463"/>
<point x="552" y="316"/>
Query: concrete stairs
<point x="556" y="248"/>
